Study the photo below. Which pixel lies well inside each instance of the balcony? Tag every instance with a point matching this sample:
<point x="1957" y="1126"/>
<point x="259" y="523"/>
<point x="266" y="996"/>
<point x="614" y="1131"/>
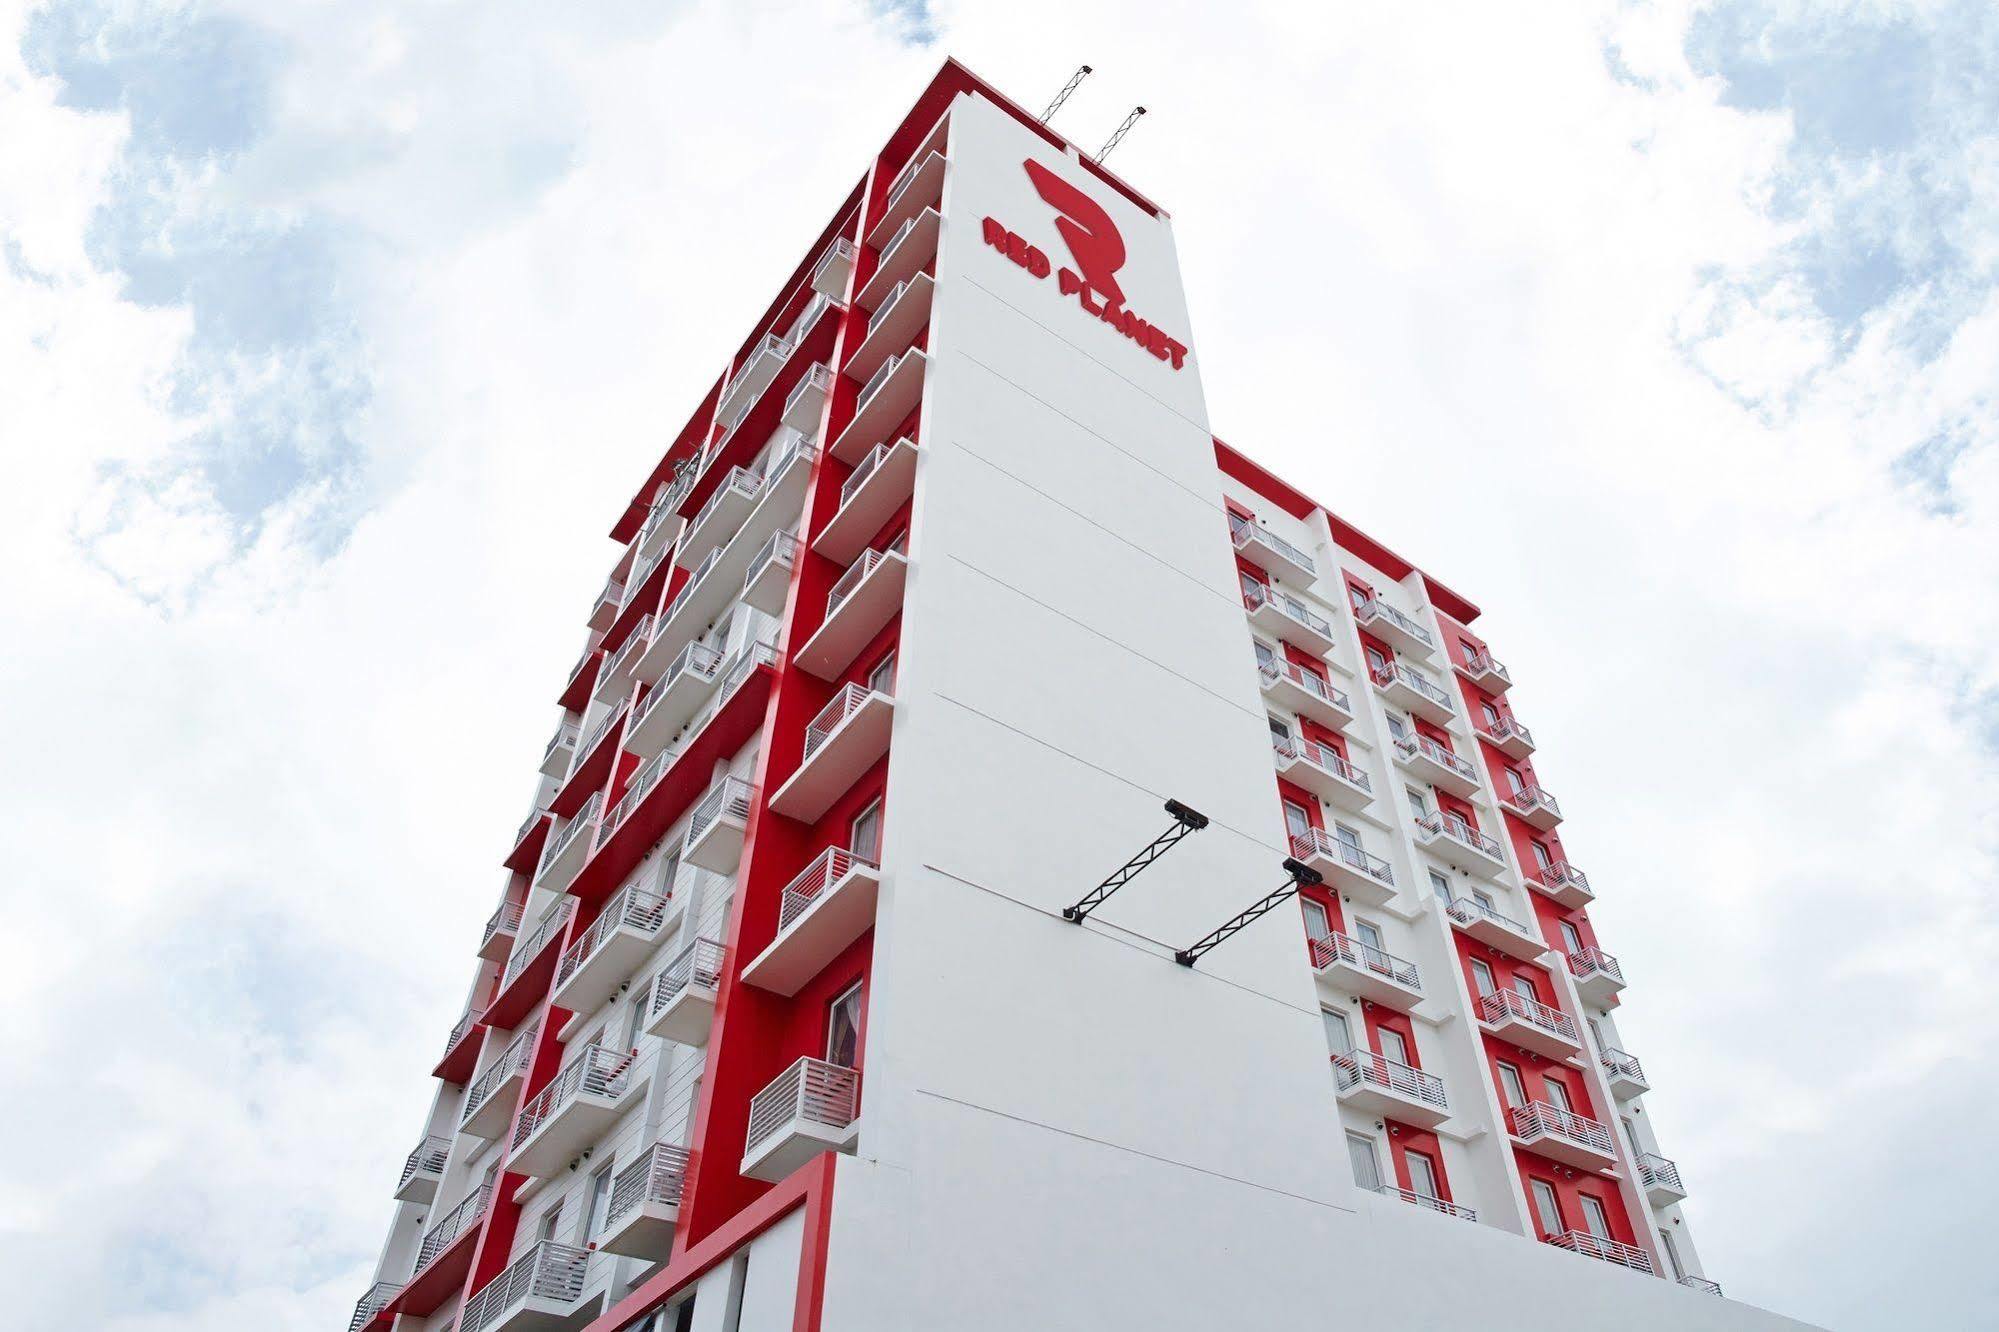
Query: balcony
<point x="1377" y="1085"/>
<point x="573" y="1111"/>
<point x="1598" y="977"/>
<point x="461" y="1051"/>
<point x="858" y="608"/>
<point x="829" y="275"/>
<point x="1399" y="630"/>
<point x="540" y="1291"/>
<point x="561" y="749"/>
<point x="1625" y="1074"/>
<point x="1509" y="737"/>
<point x="528" y="842"/>
<point x="1428" y="761"/>
<point x="847" y="737"/>
<point x="662" y="525"/>
<point x="920" y="185"/>
<point x="1563" y="882"/>
<point x="1661" y="1180"/>
<point x="806" y="402"/>
<point x="681" y="1004"/>
<point x="1530" y="1024"/>
<point x="489" y="1102"/>
<point x="1512" y="937"/>
<point x="719" y="517"/>
<point x="699" y="603"/>
<point x="1562" y="1135"/>
<point x="372" y="1303"/>
<point x="1349" y="966"/>
<point x="1701" y="1284"/>
<point x="1413" y="693"/>
<point x="829" y="905"/>
<point x="502" y="927"/>
<point x="576" y="689"/>
<point x="715" y="832"/>
<point x="880" y="484"/>
<point x="615" y="680"/>
<point x="1485" y="671"/>
<point x="1305" y="693"/>
<point x="682" y="689"/>
<point x="568" y="849"/>
<point x="422" y="1171"/>
<point x="593" y="967"/>
<point x="811" y="1107"/>
<point x="443" y="1258"/>
<point x="769" y="576"/>
<point x="645" y="1204"/>
<point x="903" y="313"/>
<point x="1603" y="1250"/>
<point x="1454" y="841"/>
<point x="1270" y="552"/>
<point x="529" y="970"/>
<point x="1348" y="870"/>
<point x="595" y="758"/>
<point x="884" y="402"/>
<point x="758" y="369"/>
<point x="605" y="608"/>
<point x="1282" y="615"/>
<point x="1533" y="806"/>
<point x="1442" y="1205"/>
<point x="1323" y="772"/>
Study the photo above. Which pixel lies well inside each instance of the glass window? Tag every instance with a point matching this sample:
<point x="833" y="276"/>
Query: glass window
<point x="1280" y="729"/>
<point x="1491" y="715"/>
<point x="550" y="1220"/>
<point x="1541" y="856"/>
<point x="1366" y="1165"/>
<point x="864" y="835"/>
<point x="1595" y="1217"/>
<point x="882" y="677"/>
<point x="1572" y="938"/>
<point x="1393" y="1046"/>
<point x="1317" y="926"/>
<point x="1509" y="1082"/>
<point x="1252" y="586"/>
<point x="1397" y="728"/>
<point x="1483" y="898"/>
<point x="634" y="1013"/>
<point x="1440" y="886"/>
<point x="1357" y="595"/>
<point x="1377" y="661"/>
<point x="600" y="1201"/>
<point x="1524" y="985"/>
<point x="1347" y="836"/>
<point x="1672" y="1252"/>
<point x="1368" y="933"/>
<point x="1418" y="802"/>
<point x="1422" y="1174"/>
<point x="843" y="1029"/>
<point x="1547" y="1209"/>
<point x="1515" y="780"/>
<point x="1338" y="1035"/>
<point x="1264" y="655"/>
<point x="1481" y="977"/>
<point x="1558" y="1091"/>
<point x="1297" y="819"/>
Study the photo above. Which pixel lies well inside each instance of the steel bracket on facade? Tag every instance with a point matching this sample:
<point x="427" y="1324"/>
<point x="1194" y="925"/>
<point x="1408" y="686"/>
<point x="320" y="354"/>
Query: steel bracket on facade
<point x="1185" y="821"/>
<point x="1300" y="875"/>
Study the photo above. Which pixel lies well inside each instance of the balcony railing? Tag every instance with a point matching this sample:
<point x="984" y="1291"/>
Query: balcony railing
<point x="1701" y="1284"/>
<point x="816" y="380"/>
<point x="1310" y="681"/>
<point x="1374" y="609"/>
<point x="1458" y="830"/>
<point x="428" y="1158"/>
<point x="1341" y="948"/>
<point x="637" y="790"/>
<point x="1594" y="962"/>
<point x="781" y="546"/>
<point x="455" y="1223"/>
<point x="598" y="1071"/>
<point x="1510" y="1005"/>
<point x="876" y="380"/>
<point x="851" y="579"/>
<point x="1538" y="1119"/>
<point x="1257" y="596"/>
<point x="1533" y="800"/>
<point x="827" y="868"/>
<point x="1480" y="664"/>
<point x="459" y="1031"/>
<point x="1606" y="1250"/>
<point x="563" y="739"/>
<point x="1560" y="875"/>
<point x="511" y="1061"/>
<point x="1320" y="756"/>
<point x="550" y="925"/>
<point x="372" y="1303"/>
<point x="628" y="651"/>
<point x="1365" y="1067"/>
<point x="1620" y="1064"/>
<point x="698" y="964"/>
<point x="1245" y="533"/>
<point x="730" y="800"/>
<point x="603" y="728"/>
<point x="660" y="1176"/>
<point x="694" y="660"/>
<point x="1411" y="745"/>
<point x="1507" y="729"/>
<point x="1443" y="1205"/>
<point x="1655" y="1171"/>
<point x="548" y="1271"/>
<point x="1318" y="842"/>
<point x="739" y="483"/>
<point x="843" y="705"/>
<point x="585" y="821"/>
<point x="811" y="1090"/>
<point x="632" y="909"/>
<point x="1394" y="672"/>
<point x="864" y="469"/>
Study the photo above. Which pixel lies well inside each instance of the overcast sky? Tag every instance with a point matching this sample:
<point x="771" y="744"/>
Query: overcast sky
<point x="332" y="336"/>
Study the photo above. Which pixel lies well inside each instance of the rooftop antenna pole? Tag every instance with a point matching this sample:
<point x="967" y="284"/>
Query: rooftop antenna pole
<point x="1117" y="135"/>
<point x="1082" y="72"/>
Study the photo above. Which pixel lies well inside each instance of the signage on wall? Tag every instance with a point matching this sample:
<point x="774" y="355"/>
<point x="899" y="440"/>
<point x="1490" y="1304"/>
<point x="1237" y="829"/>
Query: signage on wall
<point x="1097" y="248"/>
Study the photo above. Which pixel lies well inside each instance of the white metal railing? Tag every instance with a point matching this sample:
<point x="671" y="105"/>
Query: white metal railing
<point x="802" y="325"/>
<point x="655" y="517"/>
<point x="454" y="1223"/>
<point x="903" y="179"/>
<point x="1457" y="829"/>
<point x="1562" y="874"/>
<point x="564" y="738"/>
<point x="817" y="379"/>
<point x="428" y="1158"/>
<point x="1444" y="1205"/>
<point x="1337" y="947"/>
<point x="812" y="1090"/>
<point x="686" y="591"/>
<point x="545" y="931"/>
<point x="1319" y="842"/>
<point x="585" y="820"/>
<point x="1607" y="1250"/>
<point x="782" y="546"/>
<point x="771" y="344"/>
<point x="1374" y="608"/>
<point x="1595" y="962"/>
<point x="612" y="595"/>
<point x="459" y="1031"/>
<point x="1257" y="596"/>
<point x="1470" y="911"/>
<point x="1501" y="1005"/>
<point x="605" y="725"/>
<point x="700" y="963"/>
<point x="632" y="909"/>
<point x="827" y="868"/>
<point x="637" y="790"/>
<point x="1484" y="663"/>
<point x="1701" y="1284"/>
<point x="628" y="651"/>
<point x="1506" y="728"/>
<point x="598" y="1071"/>
<point x="535" y="816"/>
<point x="732" y="799"/>
<point x="1310" y="681"/>
<point x="581" y="663"/>
<point x="1389" y="672"/>
<point x="511" y="1061"/>
<point x="696" y="659"/>
<point x="908" y="225"/>
<point x="843" y="705"/>
<point x="1656" y="1169"/>
<point x="1530" y="798"/>
<point x="851" y="579"/>
<point x="660" y="1176"/>
<point x="744" y="666"/>
<point x="876" y="380"/>
<point x="739" y="481"/>
<point x="636" y="583"/>
<point x="865" y="468"/>
<point x="548" y="1271"/>
<point x="793" y="444"/>
<point x="1319" y="756"/>
<point x="1538" y="1119"/>
<point x="1244" y="533"/>
<point x="372" y="1303"/>
<point x="888" y="303"/>
<point x="841" y="248"/>
<point x="1619" y="1063"/>
<point x="1409" y="746"/>
<point x="1375" y="1070"/>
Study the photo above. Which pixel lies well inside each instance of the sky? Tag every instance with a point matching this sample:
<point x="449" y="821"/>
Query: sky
<point x="333" y="335"/>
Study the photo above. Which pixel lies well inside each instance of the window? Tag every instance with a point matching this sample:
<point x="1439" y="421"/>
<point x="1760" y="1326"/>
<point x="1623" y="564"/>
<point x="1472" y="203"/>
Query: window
<point x="843" y="1029"/>
<point x="669" y="873"/>
<point x="864" y="835"/>
<point x="1338" y="1035"/>
<point x="1397" y="728"/>
<point x="1509" y="1082"/>
<point x="1422" y="1174"/>
<point x="1377" y="661"/>
<point x="1672" y="1252"/>
<point x="1369" y="934"/>
<point x="1280" y="730"/>
<point x="1347" y="836"/>
<point x="900" y="543"/>
<point x="1491" y="716"/>
<point x="1394" y="1046"/>
<point x="634" y="1013"/>
<point x="600" y="1202"/>
<point x="1440" y="887"/>
<point x="1524" y="985"/>
<point x="1547" y="1209"/>
<point x="1595" y="1032"/>
<point x="1419" y="804"/>
<point x="1631" y="1135"/>
<point x="1264" y="655"/>
<point x="1572" y="938"/>
<point x="1252" y="586"/>
<point x="1542" y="858"/>
<point x="1366" y="1165"/>
<point x="1297" y="819"/>
<point x="1358" y="595"/>
<point x="1481" y="977"/>
<point x="1515" y="781"/>
<point x="550" y="1220"/>
<point x="1483" y="898"/>
<point x="1317" y="926"/>
<point x="1594" y="1217"/>
<point x="882" y="678"/>
<point x="1558" y="1092"/>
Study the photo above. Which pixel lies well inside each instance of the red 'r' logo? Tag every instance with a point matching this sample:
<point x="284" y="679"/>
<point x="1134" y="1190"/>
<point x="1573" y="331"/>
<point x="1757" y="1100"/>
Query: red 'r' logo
<point x="1091" y="235"/>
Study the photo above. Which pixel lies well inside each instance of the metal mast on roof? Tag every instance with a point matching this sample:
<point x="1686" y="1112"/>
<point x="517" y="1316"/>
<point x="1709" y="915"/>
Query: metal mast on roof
<point x="1082" y="72"/>
<point x="1117" y="135"/>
